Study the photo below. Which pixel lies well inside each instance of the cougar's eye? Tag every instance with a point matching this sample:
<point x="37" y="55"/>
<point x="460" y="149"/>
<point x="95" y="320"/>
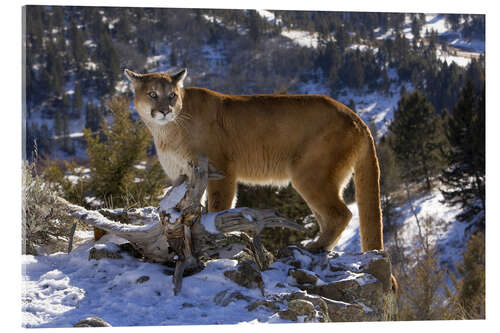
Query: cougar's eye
<point x="172" y="95"/>
<point x="153" y="94"/>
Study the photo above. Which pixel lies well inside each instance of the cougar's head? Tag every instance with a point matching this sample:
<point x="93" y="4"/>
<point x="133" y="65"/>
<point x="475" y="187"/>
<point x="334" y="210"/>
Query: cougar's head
<point x="158" y="96"/>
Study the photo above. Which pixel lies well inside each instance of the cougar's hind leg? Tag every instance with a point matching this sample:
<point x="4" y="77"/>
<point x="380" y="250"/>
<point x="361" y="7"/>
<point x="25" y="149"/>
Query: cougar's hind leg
<point x="220" y="193"/>
<point x="333" y="217"/>
<point x="320" y="186"/>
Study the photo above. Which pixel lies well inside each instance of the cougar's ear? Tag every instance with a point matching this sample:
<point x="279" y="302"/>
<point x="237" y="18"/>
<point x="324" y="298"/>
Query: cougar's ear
<point x="133" y="76"/>
<point x="178" y="79"/>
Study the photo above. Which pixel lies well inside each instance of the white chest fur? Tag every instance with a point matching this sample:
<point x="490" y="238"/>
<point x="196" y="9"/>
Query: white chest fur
<point x="173" y="164"/>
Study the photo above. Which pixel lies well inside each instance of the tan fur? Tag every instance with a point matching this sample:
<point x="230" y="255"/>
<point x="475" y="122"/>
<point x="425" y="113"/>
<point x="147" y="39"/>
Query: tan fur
<point x="312" y="141"/>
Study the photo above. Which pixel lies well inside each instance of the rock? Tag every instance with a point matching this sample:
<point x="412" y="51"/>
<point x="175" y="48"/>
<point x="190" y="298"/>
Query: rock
<point x="142" y="279"/>
<point x="320" y="305"/>
<point x="108" y="250"/>
<point x="264" y="303"/>
<point x="301" y="307"/>
<point x="350" y="291"/>
<point x="92" y="322"/>
<point x="296" y="256"/>
<point x="249" y="252"/>
<point x="296" y="308"/>
<point x="381" y="269"/>
<point x="352" y="286"/>
<point x="303" y="277"/>
<point x="246" y="275"/>
<point x="346" y="312"/>
<point x="224" y="298"/>
<point x="130" y="249"/>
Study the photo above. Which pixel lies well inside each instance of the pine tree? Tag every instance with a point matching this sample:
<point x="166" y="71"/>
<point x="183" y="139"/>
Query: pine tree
<point x="93" y="117"/>
<point x="352" y="105"/>
<point x="389" y="181"/>
<point x="113" y="155"/>
<point x="343" y="38"/>
<point x="66" y="142"/>
<point x="352" y="72"/>
<point x="79" y="51"/>
<point x="66" y="105"/>
<point x="470" y="293"/>
<point x="123" y="27"/>
<point x="55" y="69"/>
<point x="58" y="122"/>
<point x="77" y="101"/>
<point x="108" y="59"/>
<point x="254" y="26"/>
<point x="32" y="135"/>
<point x="415" y="138"/>
<point x="415" y="29"/>
<point x="173" y="56"/>
<point x="45" y="140"/>
<point x="464" y="176"/>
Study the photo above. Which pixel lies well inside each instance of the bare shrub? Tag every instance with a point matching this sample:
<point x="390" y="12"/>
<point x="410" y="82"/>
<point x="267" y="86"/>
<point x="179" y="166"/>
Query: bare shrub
<point x="46" y="224"/>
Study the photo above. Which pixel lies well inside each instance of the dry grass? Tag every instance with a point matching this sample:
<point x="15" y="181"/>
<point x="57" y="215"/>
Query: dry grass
<point x="46" y="224"/>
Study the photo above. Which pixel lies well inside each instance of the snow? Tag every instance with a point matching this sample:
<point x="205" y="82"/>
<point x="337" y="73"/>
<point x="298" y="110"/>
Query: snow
<point x="155" y="59"/>
<point x="141" y="166"/>
<point x="298" y="37"/>
<point x="122" y="86"/>
<point x="474" y="45"/>
<point x="173" y="197"/>
<point x="459" y="60"/>
<point x="301" y="37"/>
<point x="208" y="222"/>
<point x="374" y="106"/>
<point x="269" y="16"/>
<point x="211" y="18"/>
<point x="89" y="43"/>
<point x="449" y="234"/>
<point x="371" y="106"/>
<point x="90" y="66"/>
<point x="363" y="48"/>
<point x="62" y="289"/>
<point x="437" y="22"/>
<point x="214" y="55"/>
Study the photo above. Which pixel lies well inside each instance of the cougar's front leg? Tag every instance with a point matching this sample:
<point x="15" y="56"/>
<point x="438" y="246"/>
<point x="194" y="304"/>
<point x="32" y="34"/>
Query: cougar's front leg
<point x="220" y="193"/>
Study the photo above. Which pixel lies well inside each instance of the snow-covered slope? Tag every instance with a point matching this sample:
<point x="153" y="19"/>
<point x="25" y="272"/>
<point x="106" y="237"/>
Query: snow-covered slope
<point x="372" y="106"/>
<point x="448" y="233"/>
<point x="60" y="290"/>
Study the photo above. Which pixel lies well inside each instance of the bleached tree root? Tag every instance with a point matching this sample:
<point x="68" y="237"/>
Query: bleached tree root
<point x="178" y="231"/>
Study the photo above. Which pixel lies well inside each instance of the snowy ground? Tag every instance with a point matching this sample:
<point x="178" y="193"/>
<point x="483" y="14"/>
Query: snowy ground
<point x="60" y="290"/>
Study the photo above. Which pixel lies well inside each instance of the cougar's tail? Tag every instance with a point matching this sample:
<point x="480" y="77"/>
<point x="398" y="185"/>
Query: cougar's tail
<point x="366" y="179"/>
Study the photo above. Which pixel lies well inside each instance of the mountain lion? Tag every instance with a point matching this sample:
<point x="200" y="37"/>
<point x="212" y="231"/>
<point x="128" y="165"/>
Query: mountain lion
<point x="312" y="141"/>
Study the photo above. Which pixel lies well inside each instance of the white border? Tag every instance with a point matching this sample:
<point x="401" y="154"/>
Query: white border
<point x="11" y="148"/>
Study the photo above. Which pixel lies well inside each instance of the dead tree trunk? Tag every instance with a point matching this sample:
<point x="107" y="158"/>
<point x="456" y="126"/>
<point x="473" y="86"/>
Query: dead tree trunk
<point x="178" y="231"/>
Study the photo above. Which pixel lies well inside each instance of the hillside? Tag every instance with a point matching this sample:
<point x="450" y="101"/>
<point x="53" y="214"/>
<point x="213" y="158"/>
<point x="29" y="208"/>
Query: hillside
<point x="281" y="53"/>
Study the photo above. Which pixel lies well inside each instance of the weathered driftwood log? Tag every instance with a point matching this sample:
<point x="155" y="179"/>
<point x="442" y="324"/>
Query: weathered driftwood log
<point x="178" y="231"/>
